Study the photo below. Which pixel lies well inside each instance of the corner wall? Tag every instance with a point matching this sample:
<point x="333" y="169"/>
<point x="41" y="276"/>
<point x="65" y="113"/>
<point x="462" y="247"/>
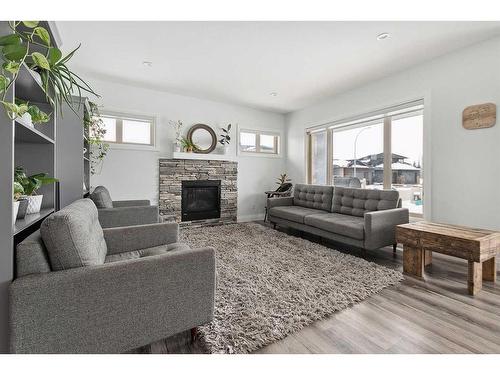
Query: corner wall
<point x="462" y="167"/>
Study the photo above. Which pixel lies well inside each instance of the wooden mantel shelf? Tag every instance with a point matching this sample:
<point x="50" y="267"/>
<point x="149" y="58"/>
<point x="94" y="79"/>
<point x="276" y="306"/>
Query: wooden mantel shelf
<point x="195" y="156"/>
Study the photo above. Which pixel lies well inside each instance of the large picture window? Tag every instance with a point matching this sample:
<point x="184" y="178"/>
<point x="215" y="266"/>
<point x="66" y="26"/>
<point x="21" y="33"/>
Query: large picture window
<point x="382" y="150"/>
<point x="128" y="129"/>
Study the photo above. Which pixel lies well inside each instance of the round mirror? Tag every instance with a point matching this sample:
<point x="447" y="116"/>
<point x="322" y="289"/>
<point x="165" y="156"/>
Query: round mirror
<point x="203" y="136"/>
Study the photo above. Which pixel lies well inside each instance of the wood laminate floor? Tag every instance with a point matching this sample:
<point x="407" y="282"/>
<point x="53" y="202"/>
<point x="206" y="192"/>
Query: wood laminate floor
<point x="430" y="315"/>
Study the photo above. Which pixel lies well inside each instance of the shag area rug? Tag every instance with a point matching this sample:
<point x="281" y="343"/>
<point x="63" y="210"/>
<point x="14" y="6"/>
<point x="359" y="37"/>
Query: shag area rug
<point x="271" y="284"/>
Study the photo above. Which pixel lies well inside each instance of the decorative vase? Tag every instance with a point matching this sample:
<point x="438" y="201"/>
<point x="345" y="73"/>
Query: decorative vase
<point x="23" y="206"/>
<point x="34" y="204"/>
<point x="226" y="149"/>
<point x="15" y="209"/>
<point x="25" y="120"/>
<point x="177" y="147"/>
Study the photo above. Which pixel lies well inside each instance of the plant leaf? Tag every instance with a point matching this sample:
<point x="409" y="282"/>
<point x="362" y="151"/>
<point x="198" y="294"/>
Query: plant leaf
<point x="4" y="82"/>
<point x="30" y="24"/>
<point x="9" y="39"/>
<point x="11" y="66"/>
<point x="43" y="34"/>
<point x="15" y="52"/>
<point x="54" y="55"/>
<point x="40" y="60"/>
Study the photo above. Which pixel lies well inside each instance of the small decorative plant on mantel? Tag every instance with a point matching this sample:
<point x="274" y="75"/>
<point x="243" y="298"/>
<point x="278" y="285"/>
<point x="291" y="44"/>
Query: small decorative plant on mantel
<point x="94" y="133"/>
<point x="187" y="145"/>
<point x="177" y="125"/>
<point x="47" y="63"/>
<point x="225" y="137"/>
<point x="30" y="185"/>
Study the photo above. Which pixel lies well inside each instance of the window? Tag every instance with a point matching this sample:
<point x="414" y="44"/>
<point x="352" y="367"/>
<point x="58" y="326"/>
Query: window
<point x="384" y="150"/>
<point x="128" y="129"/>
<point x="258" y="142"/>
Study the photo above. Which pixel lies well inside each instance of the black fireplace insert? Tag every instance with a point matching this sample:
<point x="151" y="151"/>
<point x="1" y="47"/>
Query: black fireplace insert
<point x="200" y="200"/>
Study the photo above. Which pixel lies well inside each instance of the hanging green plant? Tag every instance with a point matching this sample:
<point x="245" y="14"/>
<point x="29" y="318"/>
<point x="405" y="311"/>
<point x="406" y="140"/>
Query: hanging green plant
<point x="94" y="134"/>
<point x="57" y="81"/>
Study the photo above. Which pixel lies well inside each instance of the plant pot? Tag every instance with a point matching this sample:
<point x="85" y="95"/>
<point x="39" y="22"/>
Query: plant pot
<point x="34" y="204"/>
<point x="177" y="147"/>
<point x="25" y="120"/>
<point x="226" y="149"/>
<point x="23" y="207"/>
<point x="15" y="209"/>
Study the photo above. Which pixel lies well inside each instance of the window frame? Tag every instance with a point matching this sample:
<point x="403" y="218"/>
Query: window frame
<point x="119" y="117"/>
<point x="258" y="133"/>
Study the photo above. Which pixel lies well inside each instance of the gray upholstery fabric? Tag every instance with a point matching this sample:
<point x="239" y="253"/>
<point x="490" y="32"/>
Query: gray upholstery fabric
<point x="31" y="256"/>
<point x="356" y="202"/>
<point x="100" y="196"/>
<point x="114" y="307"/>
<point x="132" y="203"/>
<point x="125" y="239"/>
<point x="73" y="236"/>
<point x="128" y="215"/>
<point x="352" y="182"/>
<point x="313" y="196"/>
<point x="380" y="226"/>
<point x="293" y="213"/>
<point x="281" y="201"/>
<point x="346" y="225"/>
<point x="157" y="250"/>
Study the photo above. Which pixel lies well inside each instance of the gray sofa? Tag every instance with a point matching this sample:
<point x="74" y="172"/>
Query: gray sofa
<point x="359" y="217"/>
<point x="82" y="289"/>
<point x="122" y="213"/>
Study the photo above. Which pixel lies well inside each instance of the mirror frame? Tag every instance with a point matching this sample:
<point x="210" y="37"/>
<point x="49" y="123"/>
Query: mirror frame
<point x="207" y="128"/>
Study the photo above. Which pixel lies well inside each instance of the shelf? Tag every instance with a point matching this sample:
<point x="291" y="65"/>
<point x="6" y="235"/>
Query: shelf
<point x="86" y="159"/>
<point x="195" y="156"/>
<point x="27" y="86"/>
<point x="28" y="134"/>
<point x="29" y="220"/>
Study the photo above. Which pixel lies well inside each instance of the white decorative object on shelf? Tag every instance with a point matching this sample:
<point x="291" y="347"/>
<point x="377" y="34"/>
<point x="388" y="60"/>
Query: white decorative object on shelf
<point x="177" y="146"/>
<point x="15" y="209"/>
<point x="25" y="120"/>
<point x="34" y="204"/>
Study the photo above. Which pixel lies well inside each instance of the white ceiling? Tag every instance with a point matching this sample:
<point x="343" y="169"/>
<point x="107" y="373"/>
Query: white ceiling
<point x="243" y="62"/>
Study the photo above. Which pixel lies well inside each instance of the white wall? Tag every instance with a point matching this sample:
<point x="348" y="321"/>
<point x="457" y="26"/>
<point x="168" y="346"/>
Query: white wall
<point x="132" y="174"/>
<point x="463" y="165"/>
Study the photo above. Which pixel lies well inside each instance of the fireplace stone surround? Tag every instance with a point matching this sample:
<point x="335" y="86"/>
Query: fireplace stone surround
<point x="173" y="171"/>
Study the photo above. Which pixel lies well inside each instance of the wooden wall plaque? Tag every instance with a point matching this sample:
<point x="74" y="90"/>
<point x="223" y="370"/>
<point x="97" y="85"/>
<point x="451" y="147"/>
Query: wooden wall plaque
<point x="479" y="116"/>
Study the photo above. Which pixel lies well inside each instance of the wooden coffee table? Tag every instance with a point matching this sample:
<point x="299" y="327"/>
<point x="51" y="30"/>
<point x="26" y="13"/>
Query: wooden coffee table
<point x="478" y="246"/>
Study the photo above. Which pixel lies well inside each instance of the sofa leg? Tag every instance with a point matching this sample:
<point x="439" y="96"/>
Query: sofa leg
<point x="194" y="333"/>
<point x="274" y="225"/>
<point x="394" y="246"/>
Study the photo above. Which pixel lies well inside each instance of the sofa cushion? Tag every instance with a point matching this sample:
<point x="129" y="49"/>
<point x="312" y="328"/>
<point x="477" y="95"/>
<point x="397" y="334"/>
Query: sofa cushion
<point x="313" y="196"/>
<point x="293" y="213"/>
<point x="345" y="225"/>
<point x="157" y="250"/>
<point x="101" y="197"/>
<point x="73" y="236"/>
<point x="356" y="202"/>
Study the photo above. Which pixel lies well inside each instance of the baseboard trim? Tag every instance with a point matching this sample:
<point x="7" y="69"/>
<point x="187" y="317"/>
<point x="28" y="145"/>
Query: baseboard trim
<point x="254" y="217"/>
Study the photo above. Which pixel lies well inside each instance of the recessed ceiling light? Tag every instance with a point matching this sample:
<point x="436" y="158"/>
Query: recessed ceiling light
<point x="274" y="94"/>
<point x="149" y="64"/>
<point x="383" y="36"/>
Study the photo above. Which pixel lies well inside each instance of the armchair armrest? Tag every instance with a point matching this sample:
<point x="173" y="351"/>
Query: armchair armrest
<point x="280" y="201"/>
<point x="132" y="203"/>
<point x="124" y="216"/>
<point x="137" y="237"/>
<point x="380" y="226"/>
<point x="114" y="307"/>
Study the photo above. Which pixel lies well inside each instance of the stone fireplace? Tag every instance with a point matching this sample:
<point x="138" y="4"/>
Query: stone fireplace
<point x="201" y="192"/>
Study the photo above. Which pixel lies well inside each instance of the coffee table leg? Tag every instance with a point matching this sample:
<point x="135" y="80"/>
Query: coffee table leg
<point x="413" y="262"/>
<point x="474" y="278"/>
<point x="427" y="257"/>
<point x="490" y="270"/>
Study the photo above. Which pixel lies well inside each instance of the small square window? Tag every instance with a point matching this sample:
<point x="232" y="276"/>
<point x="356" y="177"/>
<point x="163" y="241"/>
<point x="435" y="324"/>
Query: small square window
<point x="128" y="129"/>
<point x="248" y="142"/>
<point x="268" y="143"/>
<point x="136" y="132"/>
<point x="257" y="142"/>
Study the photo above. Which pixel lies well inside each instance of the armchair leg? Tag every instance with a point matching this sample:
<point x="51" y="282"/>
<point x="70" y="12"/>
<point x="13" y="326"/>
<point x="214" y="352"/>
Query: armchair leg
<point x="394" y="246"/>
<point x="194" y="333"/>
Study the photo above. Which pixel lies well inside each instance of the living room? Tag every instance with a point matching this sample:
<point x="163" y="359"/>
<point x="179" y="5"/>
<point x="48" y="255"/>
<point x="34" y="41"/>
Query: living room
<point x="249" y="185"/>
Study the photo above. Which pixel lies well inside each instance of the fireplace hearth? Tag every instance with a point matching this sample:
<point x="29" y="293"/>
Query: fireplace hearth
<point x="200" y="200"/>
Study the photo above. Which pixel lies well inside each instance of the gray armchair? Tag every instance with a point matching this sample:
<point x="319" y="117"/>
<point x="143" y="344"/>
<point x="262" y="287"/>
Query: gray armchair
<point x="81" y="289"/>
<point x="122" y="213"/>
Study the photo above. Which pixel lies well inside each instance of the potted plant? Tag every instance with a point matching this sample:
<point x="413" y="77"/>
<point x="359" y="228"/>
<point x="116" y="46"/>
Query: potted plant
<point x="30" y="185"/>
<point x="177" y="125"/>
<point x="187" y="145"/>
<point x="47" y="64"/>
<point x="225" y="138"/>
<point x="25" y="113"/>
<point x="18" y="192"/>
<point x="283" y="179"/>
